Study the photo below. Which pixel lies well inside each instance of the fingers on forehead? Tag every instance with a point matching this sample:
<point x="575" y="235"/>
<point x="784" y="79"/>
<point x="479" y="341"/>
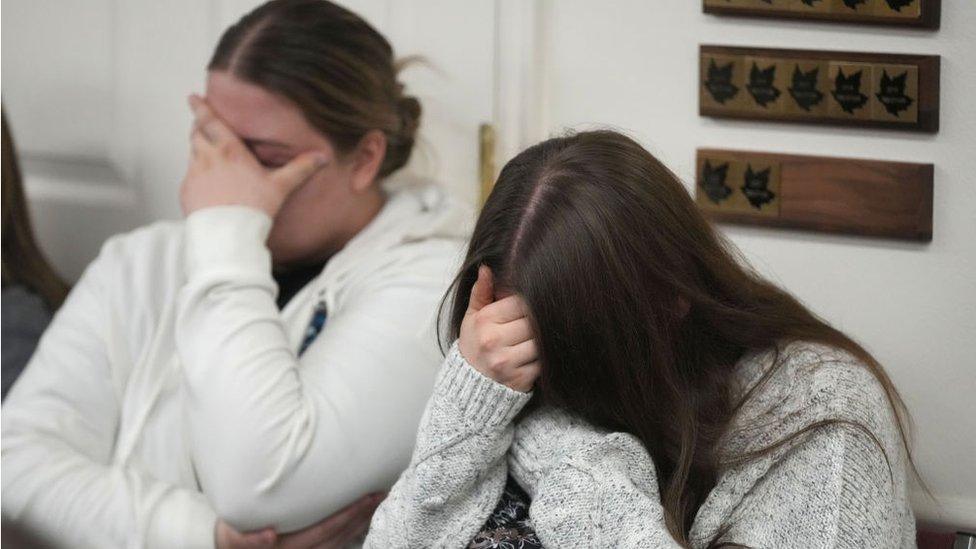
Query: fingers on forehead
<point x="216" y="131"/>
<point x="200" y="107"/>
<point x="212" y="127"/>
<point x="198" y="142"/>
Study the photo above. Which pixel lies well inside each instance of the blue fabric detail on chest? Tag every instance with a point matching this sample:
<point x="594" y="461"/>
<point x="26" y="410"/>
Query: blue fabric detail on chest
<point x="314" y="327"/>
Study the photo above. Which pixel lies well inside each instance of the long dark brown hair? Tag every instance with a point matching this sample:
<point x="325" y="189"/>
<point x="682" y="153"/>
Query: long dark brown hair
<point x="23" y="261"/>
<point x="641" y="309"/>
<point x="335" y="67"/>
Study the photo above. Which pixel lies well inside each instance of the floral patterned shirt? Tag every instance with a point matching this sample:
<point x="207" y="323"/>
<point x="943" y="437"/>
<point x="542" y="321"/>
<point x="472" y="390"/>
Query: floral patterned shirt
<point x="509" y="526"/>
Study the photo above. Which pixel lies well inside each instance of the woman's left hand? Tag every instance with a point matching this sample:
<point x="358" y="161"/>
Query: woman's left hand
<point x="497" y="338"/>
<point x="223" y="172"/>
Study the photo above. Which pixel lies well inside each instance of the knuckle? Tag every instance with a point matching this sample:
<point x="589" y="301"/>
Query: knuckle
<point x="225" y="148"/>
<point x="497" y="363"/>
<point x="481" y="320"/>
<point x="487" y="340"/>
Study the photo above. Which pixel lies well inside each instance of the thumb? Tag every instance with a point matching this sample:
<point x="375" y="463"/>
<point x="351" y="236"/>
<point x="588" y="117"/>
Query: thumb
<point x="483" y="291"/>
<point x="296" y="172"/>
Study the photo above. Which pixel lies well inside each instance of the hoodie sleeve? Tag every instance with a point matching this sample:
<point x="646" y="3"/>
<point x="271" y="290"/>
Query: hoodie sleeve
<point x="59" y="426"/>
<point x="285" y="441"/>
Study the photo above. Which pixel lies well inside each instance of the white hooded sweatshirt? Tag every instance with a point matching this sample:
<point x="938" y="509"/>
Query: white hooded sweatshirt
<point x="169" y="391"/>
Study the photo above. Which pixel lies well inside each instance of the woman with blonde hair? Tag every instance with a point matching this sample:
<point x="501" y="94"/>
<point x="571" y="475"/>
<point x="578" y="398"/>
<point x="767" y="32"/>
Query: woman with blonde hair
<point x="235" y="377"/>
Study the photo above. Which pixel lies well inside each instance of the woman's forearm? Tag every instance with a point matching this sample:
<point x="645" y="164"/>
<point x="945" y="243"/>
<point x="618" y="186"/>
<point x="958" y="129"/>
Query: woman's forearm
<point x="458" y="469"/>
<point x="280" y="440"/>
<point x="242" y="380"/>
<point x="589" y="487"/>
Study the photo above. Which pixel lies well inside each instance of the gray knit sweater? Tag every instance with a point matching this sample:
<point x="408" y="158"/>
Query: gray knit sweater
<point x="591" y="488"/>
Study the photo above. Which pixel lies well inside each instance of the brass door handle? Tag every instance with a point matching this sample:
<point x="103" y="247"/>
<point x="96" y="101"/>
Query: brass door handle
<point x="486" y="159"/>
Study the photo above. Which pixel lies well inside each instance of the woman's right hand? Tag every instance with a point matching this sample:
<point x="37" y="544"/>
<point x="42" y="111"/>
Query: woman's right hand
<point x="226" y="537"/>
<point x="333" y="532"/>
<point x="224" y="172"/>
<point x="497" y="337"/>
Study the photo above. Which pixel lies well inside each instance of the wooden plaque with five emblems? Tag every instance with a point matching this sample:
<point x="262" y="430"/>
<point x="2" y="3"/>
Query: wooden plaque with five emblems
<point x="820" y="87"/>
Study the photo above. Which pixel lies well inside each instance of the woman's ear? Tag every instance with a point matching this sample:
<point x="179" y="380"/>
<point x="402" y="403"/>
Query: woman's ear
<point x="367" y="159"/>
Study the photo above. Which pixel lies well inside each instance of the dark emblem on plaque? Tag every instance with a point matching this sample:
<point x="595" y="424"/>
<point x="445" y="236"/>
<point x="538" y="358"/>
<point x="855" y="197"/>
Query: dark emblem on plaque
<point x="853" y="4"/>
<point x="804" y="89"/>
<point x="892" y="94"/>
<point x="719" y="82"/>
<point x="847" y="91"/>
<point x="756" y="187"/>
<point x="897" y="5"/>
<point x="761" y="86"/>
<point x="713" y="182"/>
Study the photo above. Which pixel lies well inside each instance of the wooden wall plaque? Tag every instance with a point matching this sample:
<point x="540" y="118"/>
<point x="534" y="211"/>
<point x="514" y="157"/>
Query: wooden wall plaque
<point x="820" y="87"/>
<point x="835" y="195"/>
<point x="913" y="13"/>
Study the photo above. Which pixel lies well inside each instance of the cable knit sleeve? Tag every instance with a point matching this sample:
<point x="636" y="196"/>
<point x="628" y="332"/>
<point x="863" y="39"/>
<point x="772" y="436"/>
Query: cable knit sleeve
<point x="841" y="485"/>
<point x="458" y="469"/>
<point x="589" y="487"/>
<point x="832" y="487"/>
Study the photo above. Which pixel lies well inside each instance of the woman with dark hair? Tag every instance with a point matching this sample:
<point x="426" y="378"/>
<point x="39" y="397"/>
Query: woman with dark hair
<point x="680" y="400"/>
<point x="31" y="288"/>
<point x="258" y="366"/>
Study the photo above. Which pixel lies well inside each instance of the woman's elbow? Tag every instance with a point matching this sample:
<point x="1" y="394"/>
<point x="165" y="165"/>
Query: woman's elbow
<point x="248" y="510"/>
<point x="238" y="493"/>
<point x="249" y="505"/>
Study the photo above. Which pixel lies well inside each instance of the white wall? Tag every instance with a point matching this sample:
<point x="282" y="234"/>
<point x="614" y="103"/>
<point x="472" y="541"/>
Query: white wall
<point x="633" y="64"/>
<point x="63" y="53"/>
<point x="95" y="94"/>
<point x="58" y="94"/>
<point x="105" y="81"/>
